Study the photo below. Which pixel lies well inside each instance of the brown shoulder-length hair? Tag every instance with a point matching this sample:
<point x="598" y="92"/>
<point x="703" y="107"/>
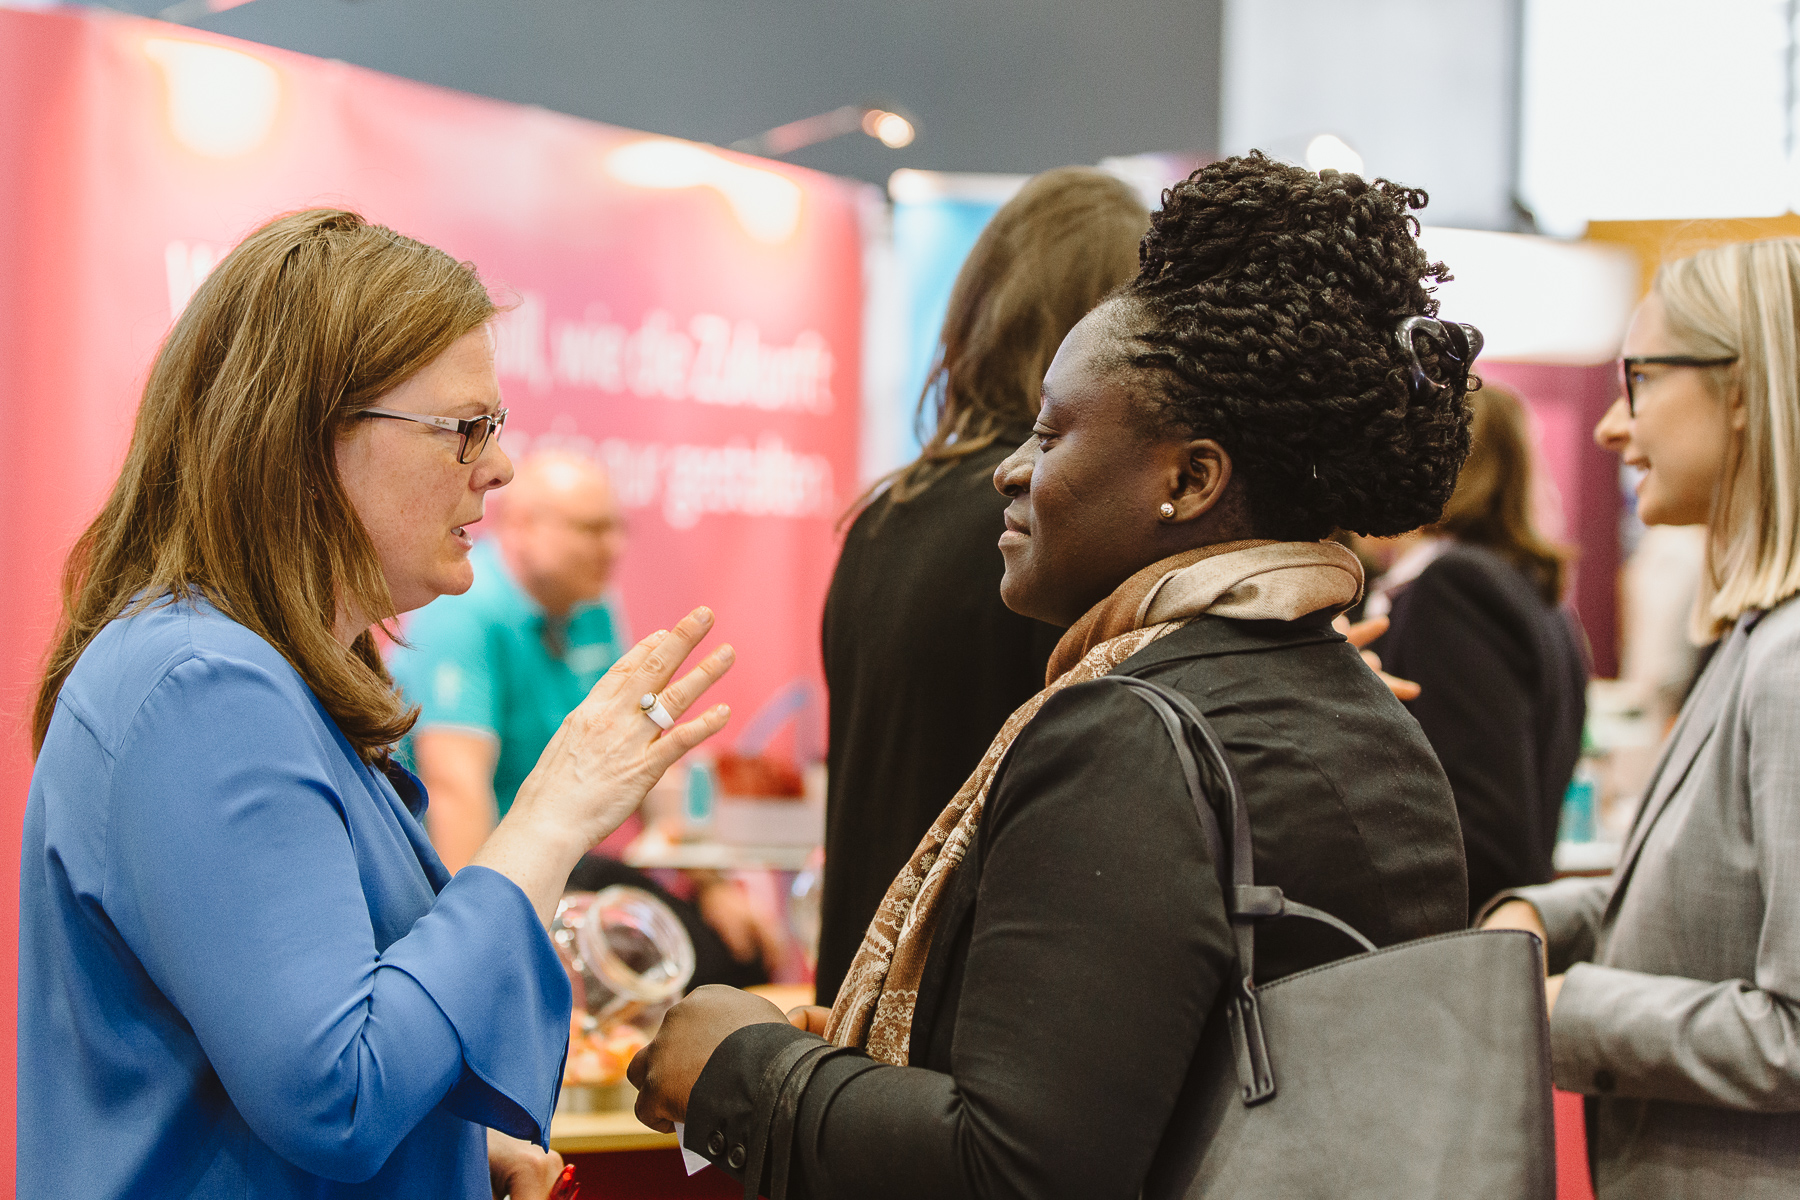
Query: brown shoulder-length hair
<point x="230" y="489"/>
<point x="1048" y="257"/>
<point x="1491" y="505"/>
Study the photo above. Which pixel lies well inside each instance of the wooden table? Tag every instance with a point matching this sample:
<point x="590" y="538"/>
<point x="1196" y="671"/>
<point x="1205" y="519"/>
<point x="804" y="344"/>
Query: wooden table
<point x="603" y="1132"/>
<point x="616" y="1158"/>
<point x="647" y="854"/>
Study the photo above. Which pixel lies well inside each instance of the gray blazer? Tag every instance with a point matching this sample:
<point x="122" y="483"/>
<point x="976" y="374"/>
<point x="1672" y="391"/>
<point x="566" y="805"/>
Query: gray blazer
<point x="1680" y="1013"/>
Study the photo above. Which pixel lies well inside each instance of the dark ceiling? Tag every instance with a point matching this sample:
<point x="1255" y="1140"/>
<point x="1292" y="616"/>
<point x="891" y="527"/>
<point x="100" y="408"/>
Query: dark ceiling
<point x="995" y="85"/>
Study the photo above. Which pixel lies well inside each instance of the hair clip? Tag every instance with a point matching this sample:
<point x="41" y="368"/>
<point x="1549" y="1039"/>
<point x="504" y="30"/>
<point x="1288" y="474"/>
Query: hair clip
<point x="1459" y="342"/>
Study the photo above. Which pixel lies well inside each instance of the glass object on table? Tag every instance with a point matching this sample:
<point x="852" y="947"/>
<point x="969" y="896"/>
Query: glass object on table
<point x="628" y="960"/>
<point x="624" y="950"/>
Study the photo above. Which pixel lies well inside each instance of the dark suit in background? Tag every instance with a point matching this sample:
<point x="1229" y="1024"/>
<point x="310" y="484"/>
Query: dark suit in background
<point x="924" y="664"/>
<point x="1503" y="675"/>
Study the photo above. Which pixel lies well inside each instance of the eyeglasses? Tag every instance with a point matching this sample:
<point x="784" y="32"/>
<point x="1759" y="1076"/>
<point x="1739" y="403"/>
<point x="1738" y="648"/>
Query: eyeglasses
<point x="1628" y="370"/>
<point x="474" y="431"/>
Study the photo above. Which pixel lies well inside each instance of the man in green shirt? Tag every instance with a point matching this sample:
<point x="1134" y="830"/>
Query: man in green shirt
<point x="495" y="670"/>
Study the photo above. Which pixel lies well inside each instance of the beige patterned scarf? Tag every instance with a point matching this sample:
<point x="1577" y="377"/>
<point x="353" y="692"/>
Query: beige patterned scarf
<point x="1254" y="580"/>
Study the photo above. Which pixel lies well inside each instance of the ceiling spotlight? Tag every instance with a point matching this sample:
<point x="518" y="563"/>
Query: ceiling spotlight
<point x="891" y="128"/>
<point x="1327" y="152"/>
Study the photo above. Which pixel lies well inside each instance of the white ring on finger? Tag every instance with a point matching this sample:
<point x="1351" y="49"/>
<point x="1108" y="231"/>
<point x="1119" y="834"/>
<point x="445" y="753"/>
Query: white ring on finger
<point x="651" y="705"/>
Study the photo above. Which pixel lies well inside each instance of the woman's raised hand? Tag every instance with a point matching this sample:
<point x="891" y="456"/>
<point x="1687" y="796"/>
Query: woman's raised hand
<point x="604" y="760"/>
<point x="608" y="753"/>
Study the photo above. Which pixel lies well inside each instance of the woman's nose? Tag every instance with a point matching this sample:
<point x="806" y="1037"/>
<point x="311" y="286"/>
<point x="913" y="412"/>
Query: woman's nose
<point x="1013" y="475"/>
<point x="493" y="469"/>
<point x="1614" y="429"/>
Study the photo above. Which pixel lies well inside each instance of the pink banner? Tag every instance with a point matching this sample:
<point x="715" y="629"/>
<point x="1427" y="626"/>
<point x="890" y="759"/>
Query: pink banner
<point x="689" y="316"/>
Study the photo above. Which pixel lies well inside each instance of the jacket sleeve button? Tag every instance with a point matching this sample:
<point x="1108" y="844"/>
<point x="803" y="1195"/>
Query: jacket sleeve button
<point x="715" y="1145"/>
<point x="1605" y="1081"/>
<point x="736" y="1161"/>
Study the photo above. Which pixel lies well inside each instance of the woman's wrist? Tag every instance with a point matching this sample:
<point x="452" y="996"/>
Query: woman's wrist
<point x="573" y="813"/>
<point x="552" y="832"/>
<point x="536" y="854"/>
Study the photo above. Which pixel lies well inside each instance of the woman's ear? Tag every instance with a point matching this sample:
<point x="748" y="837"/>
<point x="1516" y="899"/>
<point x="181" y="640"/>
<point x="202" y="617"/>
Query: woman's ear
<point x="1737" y="413"/>
<point x="1200" y="483"/>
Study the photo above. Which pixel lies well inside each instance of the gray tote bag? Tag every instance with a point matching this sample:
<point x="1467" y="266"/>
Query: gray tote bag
<point x="1417" y="1071"/>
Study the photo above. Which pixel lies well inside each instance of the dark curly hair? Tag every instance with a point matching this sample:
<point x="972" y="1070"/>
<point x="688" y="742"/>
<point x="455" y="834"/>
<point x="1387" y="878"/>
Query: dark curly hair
<point x="1266" y="307"/>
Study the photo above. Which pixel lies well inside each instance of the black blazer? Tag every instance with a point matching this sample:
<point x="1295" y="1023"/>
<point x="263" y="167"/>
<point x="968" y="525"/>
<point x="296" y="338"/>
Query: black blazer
<point x="924" y="664"/>
<point x="1084" y="941"/>
<point x="1503" y="678"/>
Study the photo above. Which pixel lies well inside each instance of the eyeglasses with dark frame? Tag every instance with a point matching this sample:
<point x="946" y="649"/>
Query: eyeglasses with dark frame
<point x="475" y="431"/>
<point x="1627" y="365"/>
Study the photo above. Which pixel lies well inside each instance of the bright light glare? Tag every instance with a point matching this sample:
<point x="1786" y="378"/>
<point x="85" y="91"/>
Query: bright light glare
<point x="767" y="205"/>
<point x="891" y="129"/>
<point x="222" y="102"/>
<point x="1328" y="152"/>
<point x="1638" y="110"/>
<point x="661" y="163"/>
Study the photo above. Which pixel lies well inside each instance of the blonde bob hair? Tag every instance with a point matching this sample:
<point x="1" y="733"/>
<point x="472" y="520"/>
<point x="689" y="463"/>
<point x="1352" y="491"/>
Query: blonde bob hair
<point x="230" y="490"/>
<point x="1743" y="300"/>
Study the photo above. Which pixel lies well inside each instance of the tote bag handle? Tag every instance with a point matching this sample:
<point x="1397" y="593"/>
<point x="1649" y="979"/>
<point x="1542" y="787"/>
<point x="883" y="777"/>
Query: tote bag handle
<point x="1245" y="902"/>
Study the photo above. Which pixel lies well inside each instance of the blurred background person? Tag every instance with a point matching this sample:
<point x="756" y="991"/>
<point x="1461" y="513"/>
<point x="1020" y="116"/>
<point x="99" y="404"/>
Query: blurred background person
<point x="1675" y="984"/>
<point x="1475" y="605"/>
<point x="495" y="670"/>
<point x="922" y="659"/>
<point x="1657" y="591"/>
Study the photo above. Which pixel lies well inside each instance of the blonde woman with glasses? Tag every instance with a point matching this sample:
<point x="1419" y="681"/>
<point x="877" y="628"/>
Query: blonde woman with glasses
<point x="1675" y="984"/>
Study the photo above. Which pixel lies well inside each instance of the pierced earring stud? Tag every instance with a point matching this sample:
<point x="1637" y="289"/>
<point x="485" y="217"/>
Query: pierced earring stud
<point x="1167" y="510"/>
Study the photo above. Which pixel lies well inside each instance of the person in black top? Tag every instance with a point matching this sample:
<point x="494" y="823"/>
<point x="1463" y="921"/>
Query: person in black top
<point x="1028" y="1000"/>
<point x="917" y="586"/>
<point x="1476" y="621"/>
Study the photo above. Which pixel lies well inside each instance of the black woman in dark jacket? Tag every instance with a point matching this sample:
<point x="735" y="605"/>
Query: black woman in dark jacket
<point x="1028" y="1000"/>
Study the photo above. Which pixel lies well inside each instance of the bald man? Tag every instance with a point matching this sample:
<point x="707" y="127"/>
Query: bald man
<point x="495" y="670"/>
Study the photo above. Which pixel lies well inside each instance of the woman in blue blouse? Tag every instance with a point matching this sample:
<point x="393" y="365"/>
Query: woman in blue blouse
<point x="243" y="971"/>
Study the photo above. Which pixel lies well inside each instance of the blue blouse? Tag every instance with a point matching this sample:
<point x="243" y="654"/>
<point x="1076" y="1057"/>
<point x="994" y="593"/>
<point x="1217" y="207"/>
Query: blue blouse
<point x="242" y="969"/>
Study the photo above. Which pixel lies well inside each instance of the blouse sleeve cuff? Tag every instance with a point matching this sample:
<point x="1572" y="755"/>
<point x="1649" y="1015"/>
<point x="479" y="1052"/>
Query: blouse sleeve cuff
<point x="486" y="960"/>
